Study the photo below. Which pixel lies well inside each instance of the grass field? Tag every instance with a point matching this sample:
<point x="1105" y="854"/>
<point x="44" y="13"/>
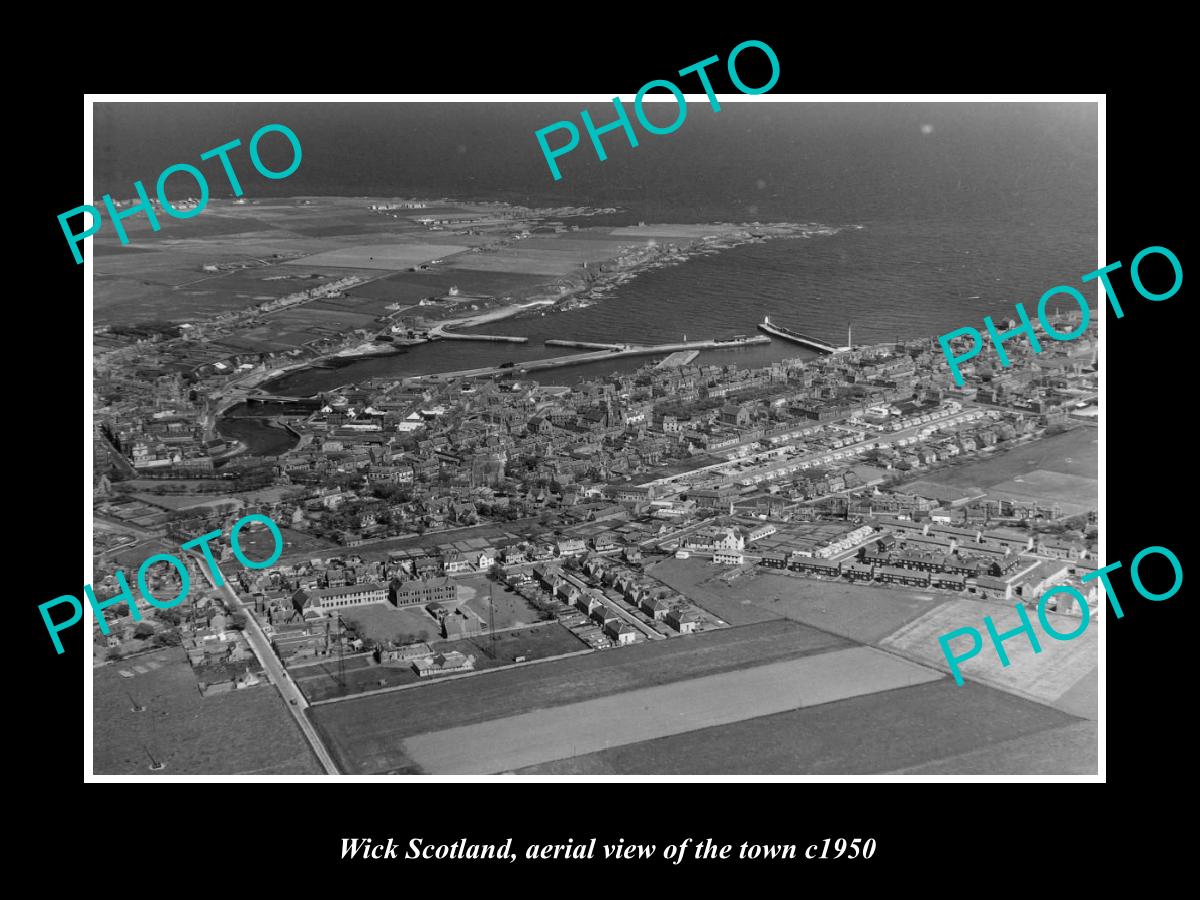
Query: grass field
<point x="861" y="612"/>
<point x="593" y="250"/>
<point x="384" y="622"/>
<point x="700" y="581"/>
<point x="876" y="733"/>
<point x="128" y="559"/>
<point x="240" y="733"/>
<point x="537" y="642"/>
<point x="535" y="262"/>
<point x="324" y="681"/>
<point x="535" y="737"/>
<point x="1076" y="493"/>
<point x="366" y="735"/>
<point x="439" y="281"/>
<point x="1069" y="750"/>
<point x="1063" y="468"/>
<point x="510" y="608"/>
<point x="159" y="275"/>
<point x="381" y="256"/>
<point x="188" y="501"/>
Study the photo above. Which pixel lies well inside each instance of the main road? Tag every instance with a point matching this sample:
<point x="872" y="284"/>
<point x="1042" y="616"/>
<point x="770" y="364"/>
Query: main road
<point x="293" y="697"/>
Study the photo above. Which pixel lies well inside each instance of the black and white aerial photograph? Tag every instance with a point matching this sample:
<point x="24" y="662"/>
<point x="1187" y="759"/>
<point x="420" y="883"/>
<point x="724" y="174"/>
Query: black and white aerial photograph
<point x="758" y="447"/>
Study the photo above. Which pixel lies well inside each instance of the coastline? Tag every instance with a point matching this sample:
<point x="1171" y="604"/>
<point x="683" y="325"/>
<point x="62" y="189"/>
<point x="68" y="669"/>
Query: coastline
<point x="579" y="292"/>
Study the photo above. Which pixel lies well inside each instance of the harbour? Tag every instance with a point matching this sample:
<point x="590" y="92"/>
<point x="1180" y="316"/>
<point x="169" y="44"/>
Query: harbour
<point x="534" y="365"/>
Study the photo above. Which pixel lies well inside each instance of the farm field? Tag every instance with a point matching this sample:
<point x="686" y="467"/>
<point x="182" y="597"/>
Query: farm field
<point x="239" y="733"/>
<point x="501" y="745"/>
<point x="324" y="680"/>
<point x="1064" y="468"/>
<point x="932" y="727"/>
<point x="1069" y="750"/>
<point x="415" y="285"/>
<point x="537" y="262"/>
<point x="537" y="642"/>
<point x="381" y="256"/>
<point x="366" y="735"/>
<point x="857" y="611"/>
<point x="158" y="276"/>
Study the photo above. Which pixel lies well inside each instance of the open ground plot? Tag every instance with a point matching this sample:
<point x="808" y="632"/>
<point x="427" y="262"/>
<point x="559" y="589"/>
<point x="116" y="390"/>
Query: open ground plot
<point x="537" y="262"/>
<point x="1071" y="453"/>
<point x="1047" y="675"/>
<point x="114" y="248"/>
<point x="366" y="735"/>
<point x="330" y="679"/>
<point x="858" y="611"/>
<point x="179" y="291"/>
<point x="138" y="282"/>
<point x="240" y="733"/>
<point x="537" y="642"/>
<point x="384" y="622"/>
<point x="507" y="608"/>
<point x="505" y="744"/>
<point x="438" y="281"/>
<point x="492" y="534"/>
<point x="1069" y="750"/>
<point x="1075" y="493"/>
<point x="592" y="251"/>
<point x="699" y="580"/>
<point x="870" y="734"/>
<point x="211" y="224"/>
<point x="257" y="543"/>
<point x="270" y="280"/>
<point x="1083" y="699"/>
<point x="381" y="256"/>
<point x="326" y="680"/>
<point x="313" y="316"/>
<point x="189" y="501"/>
<point x="130" y="558"/>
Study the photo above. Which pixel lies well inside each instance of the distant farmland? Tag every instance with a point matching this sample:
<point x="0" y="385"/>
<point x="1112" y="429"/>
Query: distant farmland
<point x="367" y="735"/>
<point x="933" y="727"/>
<point x="500" y="745"/>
